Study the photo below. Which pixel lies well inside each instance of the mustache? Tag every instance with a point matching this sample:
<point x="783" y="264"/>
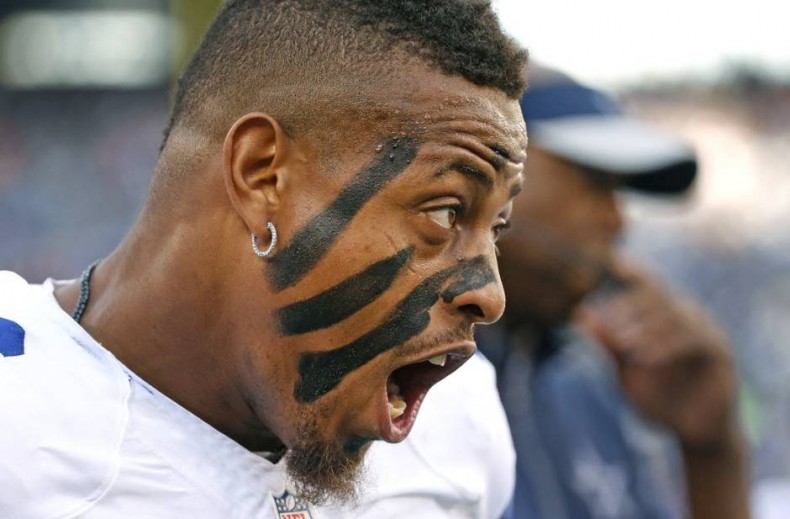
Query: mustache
<point x="429" y="342"/>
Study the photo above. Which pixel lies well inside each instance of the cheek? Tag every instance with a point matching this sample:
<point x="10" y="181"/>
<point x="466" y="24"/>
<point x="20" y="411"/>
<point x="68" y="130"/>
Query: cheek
<point x="271" y="381"/>
<point x="351" y="406"/>
<point x="267" y="384"/>
<point x="344" y="299"/>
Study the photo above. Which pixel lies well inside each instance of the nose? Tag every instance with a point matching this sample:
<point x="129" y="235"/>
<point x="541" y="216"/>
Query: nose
<point x="483" y="299"/>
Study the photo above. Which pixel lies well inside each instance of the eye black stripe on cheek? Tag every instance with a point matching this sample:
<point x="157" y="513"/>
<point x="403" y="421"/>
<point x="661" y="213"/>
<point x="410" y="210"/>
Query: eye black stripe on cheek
<point x="313" y="241"/>
<point x="342" y="300"/>
<point x="322" y="371"/>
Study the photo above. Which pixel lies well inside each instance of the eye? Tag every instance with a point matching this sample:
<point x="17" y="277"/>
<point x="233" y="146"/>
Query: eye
<point x="444" y="216"/>
<point x="497" y="231"/>
<point x="500" y="229"/>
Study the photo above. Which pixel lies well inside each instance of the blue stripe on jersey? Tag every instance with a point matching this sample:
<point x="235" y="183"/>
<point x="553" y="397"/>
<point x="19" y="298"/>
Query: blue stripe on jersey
<point x="12" y="338"/>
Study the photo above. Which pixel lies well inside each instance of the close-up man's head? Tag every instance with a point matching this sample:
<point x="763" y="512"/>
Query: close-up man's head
<point x="583" y="150"/>
<point x="384" y="142"/>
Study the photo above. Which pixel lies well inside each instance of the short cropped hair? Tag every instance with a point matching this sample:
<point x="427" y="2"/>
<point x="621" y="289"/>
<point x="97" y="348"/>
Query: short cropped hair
<point x="277" y="55"/>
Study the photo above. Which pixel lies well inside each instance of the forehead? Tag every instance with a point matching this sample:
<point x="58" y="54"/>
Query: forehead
<point x="434" y="107"/>
<point x="428" y="105"/>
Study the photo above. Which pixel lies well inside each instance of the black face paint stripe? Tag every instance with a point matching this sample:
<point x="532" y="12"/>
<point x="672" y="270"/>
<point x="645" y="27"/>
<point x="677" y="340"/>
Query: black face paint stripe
<point x="342" y="300"/>
<point x="321" y="372"/>
<point x="313" y="241"/>
<point x="472" y="279"/>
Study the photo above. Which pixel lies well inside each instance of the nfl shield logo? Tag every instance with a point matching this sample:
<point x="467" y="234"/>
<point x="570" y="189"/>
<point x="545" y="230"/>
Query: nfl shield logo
<point x="289" y="506"/>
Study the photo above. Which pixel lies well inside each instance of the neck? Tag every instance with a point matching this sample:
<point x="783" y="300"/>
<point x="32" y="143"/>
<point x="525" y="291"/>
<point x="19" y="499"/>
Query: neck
<point x="162" y="303"/>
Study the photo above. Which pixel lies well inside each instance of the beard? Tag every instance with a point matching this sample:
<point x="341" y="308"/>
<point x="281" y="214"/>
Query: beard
<point x="325" y="472"/>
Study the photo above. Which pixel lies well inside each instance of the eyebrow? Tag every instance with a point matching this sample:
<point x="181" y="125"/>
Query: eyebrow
<point x="500" y="158"/>
<point x="471" y="173"/>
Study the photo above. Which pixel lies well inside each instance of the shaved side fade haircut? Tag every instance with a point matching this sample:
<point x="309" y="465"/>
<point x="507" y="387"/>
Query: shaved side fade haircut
<point x="304" y="61"/>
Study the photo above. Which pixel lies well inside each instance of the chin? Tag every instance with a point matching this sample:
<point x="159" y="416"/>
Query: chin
<point x="327" y="471"/>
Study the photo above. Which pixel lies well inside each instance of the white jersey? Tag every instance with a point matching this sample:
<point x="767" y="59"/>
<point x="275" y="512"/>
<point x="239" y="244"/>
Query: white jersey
<point x="83" y="436"/>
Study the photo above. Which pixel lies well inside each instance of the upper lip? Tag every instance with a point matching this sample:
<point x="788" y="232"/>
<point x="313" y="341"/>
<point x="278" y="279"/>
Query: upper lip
<point x="460" y="350"/>
<point x="457" y="354"/>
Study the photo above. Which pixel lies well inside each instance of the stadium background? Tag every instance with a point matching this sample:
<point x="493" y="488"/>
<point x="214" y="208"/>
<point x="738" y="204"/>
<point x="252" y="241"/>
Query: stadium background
<point x="84" y="89"/>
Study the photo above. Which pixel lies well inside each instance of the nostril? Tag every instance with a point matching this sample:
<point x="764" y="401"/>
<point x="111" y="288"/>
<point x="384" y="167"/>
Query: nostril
<point x="472" y="309"/>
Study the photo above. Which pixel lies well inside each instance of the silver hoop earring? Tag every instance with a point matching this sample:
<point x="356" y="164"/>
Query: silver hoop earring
<point x="265" y="253"/>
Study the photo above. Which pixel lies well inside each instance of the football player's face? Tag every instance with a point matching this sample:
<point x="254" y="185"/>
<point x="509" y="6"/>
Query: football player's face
<point x="386" y="265"/>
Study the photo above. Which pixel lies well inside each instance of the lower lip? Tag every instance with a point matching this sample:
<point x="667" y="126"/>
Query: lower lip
<point x="395" y="431"/>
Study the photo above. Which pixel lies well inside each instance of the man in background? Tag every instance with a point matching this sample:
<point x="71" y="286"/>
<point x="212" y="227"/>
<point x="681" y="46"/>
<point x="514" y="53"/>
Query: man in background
<point x="568" y="399"/>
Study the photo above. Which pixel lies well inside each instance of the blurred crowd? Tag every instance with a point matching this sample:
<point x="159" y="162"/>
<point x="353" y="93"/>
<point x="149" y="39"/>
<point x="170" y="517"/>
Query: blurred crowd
<point x="74" y="167"/>
<point x="728" y="245"/>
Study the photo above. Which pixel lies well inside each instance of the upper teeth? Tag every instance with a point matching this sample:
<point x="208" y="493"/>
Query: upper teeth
<point x="439" y="360"/>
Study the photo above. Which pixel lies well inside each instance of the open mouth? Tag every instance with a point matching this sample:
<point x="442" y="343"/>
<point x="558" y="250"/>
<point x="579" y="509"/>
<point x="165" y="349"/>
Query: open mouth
<point x="408" y="385"/>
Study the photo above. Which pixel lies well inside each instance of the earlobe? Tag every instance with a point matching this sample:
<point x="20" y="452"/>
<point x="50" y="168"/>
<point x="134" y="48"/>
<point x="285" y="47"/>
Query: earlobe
<point x="253" y="153"/>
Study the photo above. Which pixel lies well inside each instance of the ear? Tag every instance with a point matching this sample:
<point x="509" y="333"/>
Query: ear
<point x="253" y="153"/>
